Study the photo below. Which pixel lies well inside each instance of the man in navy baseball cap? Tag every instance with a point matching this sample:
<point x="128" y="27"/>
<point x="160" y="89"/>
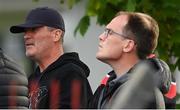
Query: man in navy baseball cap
<point x="40" y="17"/>
<point x="58" y="75"/>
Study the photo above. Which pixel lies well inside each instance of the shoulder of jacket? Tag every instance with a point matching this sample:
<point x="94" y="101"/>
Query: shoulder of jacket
<point x="7" y="62"/>
<point x="71" y="69"/>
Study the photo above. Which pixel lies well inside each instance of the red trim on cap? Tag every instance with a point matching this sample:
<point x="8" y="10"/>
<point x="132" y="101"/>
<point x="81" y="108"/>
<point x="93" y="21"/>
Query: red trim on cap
<point x="105" y="79"/>
<point x="172" y="91"/>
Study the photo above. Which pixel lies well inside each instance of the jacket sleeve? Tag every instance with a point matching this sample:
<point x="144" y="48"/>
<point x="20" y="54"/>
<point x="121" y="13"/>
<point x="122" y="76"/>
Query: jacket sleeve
<point x="13" y="84"/>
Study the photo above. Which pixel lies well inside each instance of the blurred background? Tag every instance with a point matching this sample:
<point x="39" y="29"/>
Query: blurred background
<point x="85" y="21"/>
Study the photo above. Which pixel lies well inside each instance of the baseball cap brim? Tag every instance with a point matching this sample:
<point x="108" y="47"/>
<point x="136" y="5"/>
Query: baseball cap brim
<point x="21" y="28"/>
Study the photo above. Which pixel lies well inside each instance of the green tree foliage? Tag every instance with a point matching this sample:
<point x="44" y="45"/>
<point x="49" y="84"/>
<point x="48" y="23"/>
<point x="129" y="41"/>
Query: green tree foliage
<point x="166" y="12"/>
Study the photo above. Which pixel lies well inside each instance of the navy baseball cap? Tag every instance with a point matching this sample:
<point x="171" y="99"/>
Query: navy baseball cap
<point x="37" y="17"/>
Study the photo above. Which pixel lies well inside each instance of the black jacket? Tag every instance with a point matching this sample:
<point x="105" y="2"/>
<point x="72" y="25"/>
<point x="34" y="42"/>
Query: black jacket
<point x="63" y="84"/>
<point x="111" y="85"/>
<point x="13" y="84"/>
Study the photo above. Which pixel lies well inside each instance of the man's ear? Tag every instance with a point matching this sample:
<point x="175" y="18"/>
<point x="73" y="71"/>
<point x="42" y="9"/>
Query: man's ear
<point x="57" y="35"/>
<point x="129" y="45"/>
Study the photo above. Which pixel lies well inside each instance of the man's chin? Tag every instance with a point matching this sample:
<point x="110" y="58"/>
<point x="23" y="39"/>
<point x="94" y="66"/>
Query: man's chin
<point x="100" y="58"/>
<point x="30" y="55"/>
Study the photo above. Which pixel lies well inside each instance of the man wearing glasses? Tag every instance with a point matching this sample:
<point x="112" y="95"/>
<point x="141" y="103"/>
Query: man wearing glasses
<point x="130" y="38"/>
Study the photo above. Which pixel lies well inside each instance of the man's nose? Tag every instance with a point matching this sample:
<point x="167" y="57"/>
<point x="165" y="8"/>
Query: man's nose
<point x="27" y="35"/>
<point x="102" y="37"/>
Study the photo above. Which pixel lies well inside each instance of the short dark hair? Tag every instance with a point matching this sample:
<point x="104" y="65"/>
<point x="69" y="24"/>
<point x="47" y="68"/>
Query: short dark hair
<point x="144" y="29"/>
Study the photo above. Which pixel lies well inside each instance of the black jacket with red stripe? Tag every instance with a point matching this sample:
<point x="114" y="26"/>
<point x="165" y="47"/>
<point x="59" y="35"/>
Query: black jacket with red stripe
<point x="111" y="85"/>
<point x="63" y="84"/>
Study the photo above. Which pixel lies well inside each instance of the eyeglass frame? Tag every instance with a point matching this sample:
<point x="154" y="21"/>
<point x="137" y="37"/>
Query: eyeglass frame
<point x="108" y="31"/>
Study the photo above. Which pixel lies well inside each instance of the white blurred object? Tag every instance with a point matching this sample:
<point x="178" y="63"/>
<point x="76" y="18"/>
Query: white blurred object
<point x="177" y="76"/>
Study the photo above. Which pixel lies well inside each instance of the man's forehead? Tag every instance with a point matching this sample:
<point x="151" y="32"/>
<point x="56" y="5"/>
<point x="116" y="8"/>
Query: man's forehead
<point x="121" y="19"/>
<point x="118" y="22"/>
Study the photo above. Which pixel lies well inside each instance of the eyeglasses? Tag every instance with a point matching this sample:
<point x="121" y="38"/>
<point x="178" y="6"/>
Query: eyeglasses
<point x="108" y="31"/>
